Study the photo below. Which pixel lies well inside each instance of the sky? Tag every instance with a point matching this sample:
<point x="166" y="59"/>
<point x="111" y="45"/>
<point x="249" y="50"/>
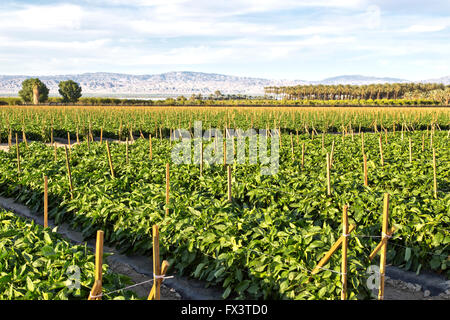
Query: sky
<point x="275" y="39"/>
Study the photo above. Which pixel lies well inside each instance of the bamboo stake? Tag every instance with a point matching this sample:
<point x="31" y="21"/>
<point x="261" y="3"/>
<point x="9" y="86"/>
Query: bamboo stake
<point x="344" y="252"/>
<point x="69" y="173"/>
<point x="381" y="243"/>
<point x="45" y="202"/>
<point x="167" y="186"/>
<point x="24" y="137"/>
<point x="110" y="159"/>
<point x="381" y="151"/>
<point x="18" y="154"/>
<point x="96" y="291"/>
<point x="156" y="266"/>
<point x="332" y="250"/>
<point x="51" y="136"/>
<point x="434" y="174"/>
<point x="78" y="138"/>
<point x="164" y="266"/>
<point x="385" y="226"/>
<point x="10" y="139"/>
<point x="224" y="153"/>
<point x="229" y="183"/>
<point x="362" y="142"/>
<point x="101" y="135"/>
<point x="365" y="170"/>
<point x="328" y="175"/>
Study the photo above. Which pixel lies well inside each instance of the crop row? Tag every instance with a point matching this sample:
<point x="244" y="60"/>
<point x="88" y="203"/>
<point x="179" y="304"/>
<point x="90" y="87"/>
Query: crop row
<point x="43" y="122"/>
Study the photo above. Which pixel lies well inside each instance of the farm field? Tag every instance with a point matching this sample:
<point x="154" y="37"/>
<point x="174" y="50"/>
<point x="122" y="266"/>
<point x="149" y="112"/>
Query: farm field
<point x="264" y="241"/>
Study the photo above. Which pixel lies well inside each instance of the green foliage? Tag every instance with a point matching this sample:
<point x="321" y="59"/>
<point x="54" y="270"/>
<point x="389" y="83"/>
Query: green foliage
<point x="70" y="91"/>
<point x="276" y="227"/>
<point x="26" y="94"/>
<point x="37" y="264"/>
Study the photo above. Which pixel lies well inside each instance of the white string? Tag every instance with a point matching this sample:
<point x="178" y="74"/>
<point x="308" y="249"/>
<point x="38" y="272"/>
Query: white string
<point x="132" y="286"/>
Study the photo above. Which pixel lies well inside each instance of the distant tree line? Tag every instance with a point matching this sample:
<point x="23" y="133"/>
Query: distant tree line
<point x="35" y="91"/>
<point x="353" y="92"/>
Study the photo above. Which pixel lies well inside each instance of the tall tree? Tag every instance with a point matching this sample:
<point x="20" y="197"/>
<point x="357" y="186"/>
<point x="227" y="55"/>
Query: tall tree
<point x="70" y="91"/>
<point x="34" y="91"/>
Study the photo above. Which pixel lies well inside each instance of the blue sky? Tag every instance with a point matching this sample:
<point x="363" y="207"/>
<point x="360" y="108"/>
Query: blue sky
<point x="279" y="39"/>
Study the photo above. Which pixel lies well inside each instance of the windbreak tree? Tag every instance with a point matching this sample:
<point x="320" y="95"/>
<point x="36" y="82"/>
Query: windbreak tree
<point x="70" y="91"/>
<point x="34" y="91"/>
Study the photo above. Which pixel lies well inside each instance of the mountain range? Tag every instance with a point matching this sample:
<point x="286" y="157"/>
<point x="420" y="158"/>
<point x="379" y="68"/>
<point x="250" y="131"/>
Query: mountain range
<point x="181" y="83"/>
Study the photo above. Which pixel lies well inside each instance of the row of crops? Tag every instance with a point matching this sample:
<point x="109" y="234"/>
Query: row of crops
<point x="263" y="243"/>
<point x="36" y="263"/>
<point x="41" y="123"/>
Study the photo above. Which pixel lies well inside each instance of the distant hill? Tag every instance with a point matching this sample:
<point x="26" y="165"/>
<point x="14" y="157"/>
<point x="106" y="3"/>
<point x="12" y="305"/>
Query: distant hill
<point x="359" y="80"/>
<point x="179" y="83"/>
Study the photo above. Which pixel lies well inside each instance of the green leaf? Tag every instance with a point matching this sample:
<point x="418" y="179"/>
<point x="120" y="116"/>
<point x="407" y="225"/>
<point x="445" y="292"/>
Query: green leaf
<point x="30" y="285"/>
<point x="226" y="293"/>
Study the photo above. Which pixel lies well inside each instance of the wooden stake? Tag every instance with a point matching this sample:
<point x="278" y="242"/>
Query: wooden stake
<point x="45" y="202"/>
<point x="365" y="170"/>
<point x="434" y="174"/>
<point x="224" y="153"/>
<point x="167" y="186"/>
<point x="328" y="175"/>
<point x="18" y="154"/>
<point x="109" y="159"/>
<point x="69" y="173"/>
<point x="384" y="231"/>
<point x="156" y="266"/>
<point x="344" y="252"/>
<point x="362" y="142"/>
<point x="24" y="137"/>
<point x="229" y="183"/>
<point x="68" y="139"/>
<point x="96" y="291"/>
<point x="333" y="249"/>
<point x="381" y="243"/>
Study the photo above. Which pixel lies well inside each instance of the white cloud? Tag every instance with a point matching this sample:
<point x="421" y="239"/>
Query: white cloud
<point x="37" y="17"/>
<point x="425" y="28"/>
